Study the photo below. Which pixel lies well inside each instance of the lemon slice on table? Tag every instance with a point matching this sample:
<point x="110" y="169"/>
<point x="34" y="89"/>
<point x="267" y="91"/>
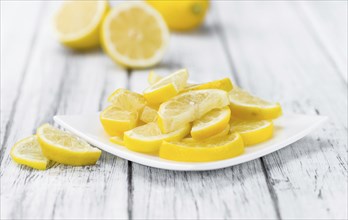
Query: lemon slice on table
<point x="127" y="100"/>
<point x="167" y="87"/>
<point x="246" y="106"/>
<point x="223" y="84"/>
<point x="153" y="77"/>
<point x="188" y="107"/>
<point x="148" y="138"/>
<point x="116" y="120"/>
<point x="211" y="123"/>
<point x="134" y="35"/>
<point x="149" y="114"/>
<point x="77" y="23"/>
<point x="28" y="152"/>
<point x="253" y="132"/>
<point x="65" y="148"/>
<point x="202" y="151"/>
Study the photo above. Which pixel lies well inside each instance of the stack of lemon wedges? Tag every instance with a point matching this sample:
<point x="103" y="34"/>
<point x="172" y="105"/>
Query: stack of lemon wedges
<point x="184" y="122"/>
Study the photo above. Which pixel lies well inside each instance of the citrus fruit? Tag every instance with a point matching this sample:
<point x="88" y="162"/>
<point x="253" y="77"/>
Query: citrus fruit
<point x="204" y="150"/>
<point x="148" y="138"/>
<point x="117" y="140"/>
<point x="189" y="106"/>
<point x="211" y="123"/>
<point x="153" y="77"/>
<point x="134" y="35"/>
<point x="220" y="134"/>
<point x="253" y="132"/>
<point x="28" y="152"/>
<point x="77" y="23"/>
<point x="223" y="84"/>
<point x="244" y="105"/>
<point x="167" y="87"/>
<point x="182" y="15"/>
<point x="65" y="148"/>
<point x="127" y="100"/>
<point x="149" y="114"/>
<point x="115" y="120"/>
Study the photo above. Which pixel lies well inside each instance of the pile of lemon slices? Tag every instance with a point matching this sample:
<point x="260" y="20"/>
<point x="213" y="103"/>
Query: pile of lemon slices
<point x="185" y="122"/>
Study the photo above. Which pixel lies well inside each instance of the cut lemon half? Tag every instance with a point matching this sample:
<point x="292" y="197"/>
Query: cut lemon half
<point x="211" y="123"/>
<point x="148" y="138"/>
<point x="127" y="100"/>
<point x="202" y="151"/>
<point x="134" y="35"/>
<point x="167" y="87"/>
<point x="223" y="84"/>
<point x="253" y="132"/>
<point x="189" y="106"/>
<point x="149" y="114"/>
<point x="28" y="152"/>
<point x="153" y="77"/>
<point x="65" y="148"/>
<point x="77" y="23"/>
<point x="246" y="106"/>
<point x="115" y="120"/>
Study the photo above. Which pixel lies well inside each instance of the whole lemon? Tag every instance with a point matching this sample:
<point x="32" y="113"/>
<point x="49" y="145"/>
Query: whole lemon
<point x="181" y="15"/>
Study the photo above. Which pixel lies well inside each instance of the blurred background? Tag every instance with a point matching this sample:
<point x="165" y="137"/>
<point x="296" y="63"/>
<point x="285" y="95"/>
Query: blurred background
<point x="293" y="52"/>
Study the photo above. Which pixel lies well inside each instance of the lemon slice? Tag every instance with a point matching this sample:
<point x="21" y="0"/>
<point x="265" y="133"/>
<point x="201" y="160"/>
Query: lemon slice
<point x="77" y="23"/>
<point x="153" y="77"/>
<point x="188" y="107"/>
<point x="115" y="120"/>
<point x="117" y="140"/>
<point x="134" y="35"/>
<point x="127" y="100"/>
<point x="220" y="134"/>
<point x="149" y="114"/>
<point x="202" y="151"/>
<point x="166" y="87"/>
<point x="62" y="147"/>
<point x="148" y="138"/>
<point x="253" y="132"/>
<point x="211" y="123"/>
<point x="246" y="106"/>
<point x="28" y="152"/>
<point x="223" y="84"/>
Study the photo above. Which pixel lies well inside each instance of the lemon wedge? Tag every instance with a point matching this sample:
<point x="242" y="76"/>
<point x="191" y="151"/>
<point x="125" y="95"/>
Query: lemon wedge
<point x="253" y="132"/>
<point x="220" y="134"/>
<point x="148" y="138"/>
<point x="153" y="77"/>
<point x="134" y="35"/>
<point x="204" y="150"/>
<point x="117" y="140"/>
<point x="167" y="87"/>
<point x="116" y="120"/>
<point x="223" y="84"/>
<point x="28" y="152"/>
<point x="149" y="114"/>
<point x="211" y="123"/>
<point x="189" y="106"/>
<point x="246" y="106"/>
<point x="127" y="100"/>
<point x="63" y="147"/>
<point x="77" y="23"/>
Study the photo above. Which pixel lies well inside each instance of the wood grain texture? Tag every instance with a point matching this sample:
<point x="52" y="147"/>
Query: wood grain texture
<point x="278" y="50"/>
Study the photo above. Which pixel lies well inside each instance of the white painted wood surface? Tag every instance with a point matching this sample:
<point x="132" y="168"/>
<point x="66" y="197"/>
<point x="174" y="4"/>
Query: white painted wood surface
<point x="292" y="52"/>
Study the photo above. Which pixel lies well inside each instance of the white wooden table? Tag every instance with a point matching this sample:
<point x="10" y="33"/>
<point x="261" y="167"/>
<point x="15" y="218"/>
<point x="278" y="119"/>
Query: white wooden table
<point x="294" y="52"/>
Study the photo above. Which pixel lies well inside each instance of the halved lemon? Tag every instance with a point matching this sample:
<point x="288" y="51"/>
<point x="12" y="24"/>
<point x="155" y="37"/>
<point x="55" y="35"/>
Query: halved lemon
<point x="202" y="151"/>
<point x="246" y="106"/>
<point x="134" y="35"/>
<point x="65" y="148"/>
<point x="28" y="152"/>
<point x="167" y="87"/>
<point x="148" y="138"/>
<point x="153" y="77"/>
<point x="189" y="106"/>
<point x="223" y="84"/>
<point x="253" y="132"/>
<point x="77" y="23"/>
<point x="211" y="123"/>
<point x="115" y="120"/>
<point x="127" y="100"/>
<point x="149" y="114"/>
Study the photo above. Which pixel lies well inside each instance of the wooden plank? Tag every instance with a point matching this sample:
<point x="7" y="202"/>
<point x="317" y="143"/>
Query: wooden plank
<point x="59" y="81"/>
<point x="226" y="193"/>
<point x="277" y="58"/>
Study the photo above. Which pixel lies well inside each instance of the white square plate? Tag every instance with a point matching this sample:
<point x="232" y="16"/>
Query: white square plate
<point x="288" y="129"/>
